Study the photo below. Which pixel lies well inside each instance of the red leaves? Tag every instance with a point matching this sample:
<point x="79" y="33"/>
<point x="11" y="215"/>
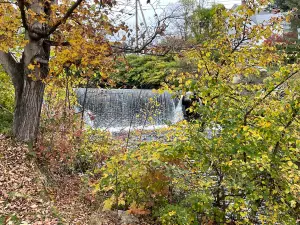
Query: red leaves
<point x="78" y="133"/>
<point x="287" y="38"/>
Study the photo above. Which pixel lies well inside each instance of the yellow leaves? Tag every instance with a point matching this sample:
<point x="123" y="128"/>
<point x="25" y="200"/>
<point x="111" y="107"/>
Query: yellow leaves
<point x="10" y="35"/>
<point x="156" y="155"/>
<point x="108" y="203"/>
<point x="293" y="203"/>
<point x="281" y="128"/>
<point x="208" y="54"/>
<point x="188" y="82"/>
<point x="245" y="128"/>
<point x="172" y="213"/>
<point x="266" y="124"/>
<point x="31" y="66"/>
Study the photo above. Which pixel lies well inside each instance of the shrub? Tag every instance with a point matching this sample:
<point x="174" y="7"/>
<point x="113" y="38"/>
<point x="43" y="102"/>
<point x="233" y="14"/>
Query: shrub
<point x="238" y="163"/>
<point x="6" y="102"/>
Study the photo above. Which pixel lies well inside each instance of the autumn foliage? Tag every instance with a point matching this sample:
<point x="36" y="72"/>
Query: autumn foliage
<point x="235" y="162"/>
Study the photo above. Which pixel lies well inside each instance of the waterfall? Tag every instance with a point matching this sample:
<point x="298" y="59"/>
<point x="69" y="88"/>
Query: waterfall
<point x="178" y="112"/>
<point x="116" y="109"/>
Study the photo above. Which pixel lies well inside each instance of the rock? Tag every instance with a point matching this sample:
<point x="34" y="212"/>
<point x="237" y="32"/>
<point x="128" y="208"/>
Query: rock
<point x="127" y="219"/>
<point x="104" y="218"/>
<point x="119" y="217"/>
<point x="252" y="78"/>
<point x="187" y="102"/>
<point x="237" y="79"/>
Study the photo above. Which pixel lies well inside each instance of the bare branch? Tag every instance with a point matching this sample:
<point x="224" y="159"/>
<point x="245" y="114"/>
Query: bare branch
<point x="236" y="47"/>
<point x="55" y="43"/>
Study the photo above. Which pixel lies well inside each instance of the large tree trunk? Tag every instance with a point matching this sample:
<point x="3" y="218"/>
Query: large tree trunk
<point x="29" y="92"/>
<point x="28" y="110"/>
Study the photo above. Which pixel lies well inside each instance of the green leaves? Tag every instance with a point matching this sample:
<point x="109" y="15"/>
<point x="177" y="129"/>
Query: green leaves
<point x="143" y="71"/>
<point x="6" y="102"/>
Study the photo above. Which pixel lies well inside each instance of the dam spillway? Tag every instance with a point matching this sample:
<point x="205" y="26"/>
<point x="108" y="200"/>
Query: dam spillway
<point x="121" y="108"/>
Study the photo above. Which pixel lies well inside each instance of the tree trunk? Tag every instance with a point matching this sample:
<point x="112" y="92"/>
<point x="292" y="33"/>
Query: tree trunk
<point x="29" y="91"/>
<point x="28" y="110"/>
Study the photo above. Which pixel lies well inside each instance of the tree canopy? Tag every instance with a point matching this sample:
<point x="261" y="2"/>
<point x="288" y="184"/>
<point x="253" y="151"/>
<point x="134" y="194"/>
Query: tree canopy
<point x="40" y="39"/>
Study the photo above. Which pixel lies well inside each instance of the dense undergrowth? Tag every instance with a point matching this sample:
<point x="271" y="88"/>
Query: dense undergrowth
<point x="238" y="163"/>
<point x="6" y="102"/>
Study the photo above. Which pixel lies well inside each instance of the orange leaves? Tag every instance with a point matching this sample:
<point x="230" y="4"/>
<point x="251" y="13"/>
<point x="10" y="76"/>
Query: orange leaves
<point x="157" y="182"/>
<point x="89" y="47"/>
<point x="86" y="30"/>
<point x="138" y="210"/>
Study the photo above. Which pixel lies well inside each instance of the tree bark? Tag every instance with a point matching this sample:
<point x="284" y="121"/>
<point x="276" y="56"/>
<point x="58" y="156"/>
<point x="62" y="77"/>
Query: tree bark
<point x="29" y="98"/>
<point x="29" y="87"/>
<point x="28" y="110"/>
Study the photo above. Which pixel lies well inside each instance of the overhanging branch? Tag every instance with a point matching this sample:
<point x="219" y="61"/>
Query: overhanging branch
<point x="21" y="5"/>
<point x="55" y="43"/>
<point x="66" y="16"/>
<point x="5" y="109"/>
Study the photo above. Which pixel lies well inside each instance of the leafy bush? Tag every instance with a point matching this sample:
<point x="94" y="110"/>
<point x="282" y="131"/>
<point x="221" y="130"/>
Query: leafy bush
<point x="6" y="102"/>
<point x="65" y="143"/>
<point x="239" y="162"/>
<point x="143" y="71"/>
<point x="175" y="214"/>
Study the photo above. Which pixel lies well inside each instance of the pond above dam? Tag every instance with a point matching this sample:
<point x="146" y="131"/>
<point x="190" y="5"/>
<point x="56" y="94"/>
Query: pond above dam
<point x="117" y="109"/>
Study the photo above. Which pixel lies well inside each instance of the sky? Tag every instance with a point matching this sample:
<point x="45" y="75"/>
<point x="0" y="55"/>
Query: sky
<point x="127" y="8"/>
<point x="227" y="3"/>
<point x="125" y="12"/>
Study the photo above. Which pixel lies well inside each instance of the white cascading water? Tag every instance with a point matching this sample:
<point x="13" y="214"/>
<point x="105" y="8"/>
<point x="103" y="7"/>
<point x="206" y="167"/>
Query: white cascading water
<point x="123" y="109"/>
<point x="178" y="112"/>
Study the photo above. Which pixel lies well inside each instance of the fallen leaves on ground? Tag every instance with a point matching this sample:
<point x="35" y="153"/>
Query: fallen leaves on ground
<point x="28" y="197"/>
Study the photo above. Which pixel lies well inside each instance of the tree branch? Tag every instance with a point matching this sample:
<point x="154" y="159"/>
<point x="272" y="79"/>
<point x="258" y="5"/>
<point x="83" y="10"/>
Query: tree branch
<point x="289" y="123"/>
<point x="12" y="68"/>
<point x="21" y="5"/>
<point x="55" y="43"/>
<point x="266" y="95"/>
<point x="66" y="16"/>
<point x="5" y="109"/>
<point x="7" y="2"/>
<point x="240" y="42"/>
